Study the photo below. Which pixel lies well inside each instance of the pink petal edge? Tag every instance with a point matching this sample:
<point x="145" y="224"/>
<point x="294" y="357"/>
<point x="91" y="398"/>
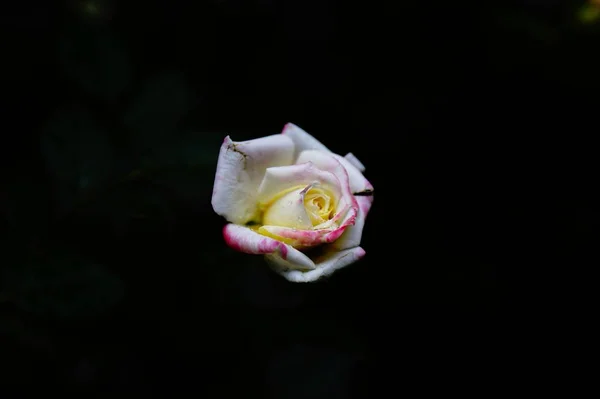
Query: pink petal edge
<point x="266" y="245"/>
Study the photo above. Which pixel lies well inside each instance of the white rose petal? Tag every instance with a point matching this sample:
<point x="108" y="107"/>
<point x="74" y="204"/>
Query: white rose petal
<point x="289" y="211"/>
<point x="302" y="140"/>
<point x="240" y="170"/>
<point x="325" y="265"/>
<point x="355" y="162"/>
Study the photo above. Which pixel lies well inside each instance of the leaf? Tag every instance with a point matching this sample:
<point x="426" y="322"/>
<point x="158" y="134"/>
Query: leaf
<point x="64" y="288"/>
<point x="96" y="60"/>
<point x="589" y="13"/>
<point x="155" y="112"/>
<point x="77" y="153"/>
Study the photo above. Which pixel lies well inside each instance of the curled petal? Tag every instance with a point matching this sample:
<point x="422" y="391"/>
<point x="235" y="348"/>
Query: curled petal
<point x="240" y="170"/>
<point x="328" y="163"/>
<point x="302" y="140"/>
<point x="289" y="210"/>
<point x="358" y="182"/>
<point x="353" y="234"/>
<point x="244" y="239"/>
<point x="308" y="238"/>
<point x="355" y="162"/>
<point x="326" y="264"/>
<point x="277" y="179"/>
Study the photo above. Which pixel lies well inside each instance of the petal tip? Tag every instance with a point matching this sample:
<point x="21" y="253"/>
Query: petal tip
<point x="360" y="253"/>
<point x="287" y="126"/>
<point x="229" y="239"/>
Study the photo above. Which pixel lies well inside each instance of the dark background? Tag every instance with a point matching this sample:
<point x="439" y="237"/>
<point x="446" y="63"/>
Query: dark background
<point x="472" y="122"/>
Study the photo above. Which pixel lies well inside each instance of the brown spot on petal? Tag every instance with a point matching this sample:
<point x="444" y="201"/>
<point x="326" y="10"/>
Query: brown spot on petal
<point x="233" y="147"/>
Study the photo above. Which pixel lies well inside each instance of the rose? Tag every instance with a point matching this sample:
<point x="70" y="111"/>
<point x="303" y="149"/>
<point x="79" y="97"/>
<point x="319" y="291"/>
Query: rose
<point x="288" y="197"/>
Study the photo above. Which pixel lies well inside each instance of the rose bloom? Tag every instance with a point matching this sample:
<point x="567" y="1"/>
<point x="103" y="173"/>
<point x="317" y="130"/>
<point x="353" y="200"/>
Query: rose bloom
<point x="291" y="199"/>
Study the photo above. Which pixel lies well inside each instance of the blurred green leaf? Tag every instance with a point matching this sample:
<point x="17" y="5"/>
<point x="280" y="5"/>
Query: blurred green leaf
<point x="96" y="60"/>
<point x="589" y="13"/>
<point x="155" y="111"/>
<point x="77" y="153"/>
<point x="62" y="287"/>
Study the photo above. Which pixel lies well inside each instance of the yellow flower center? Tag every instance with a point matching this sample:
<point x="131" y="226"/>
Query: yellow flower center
<point x="319" y="205"/>
<point x="300" y="207"/>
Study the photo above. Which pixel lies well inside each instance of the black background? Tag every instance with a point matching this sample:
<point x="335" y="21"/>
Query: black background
<point x="472" y="121"/>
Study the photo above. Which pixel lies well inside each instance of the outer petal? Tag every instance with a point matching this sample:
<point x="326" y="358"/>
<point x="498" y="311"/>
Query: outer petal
<point x="358" y="183"/>
<point x="240" y="169"/>
<point x="326" y="264"/>
<point x="353" y="234"/>
<point x="354" y="161"/>
<point x="245" y="240"/>
<point x="302" y="140"/>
